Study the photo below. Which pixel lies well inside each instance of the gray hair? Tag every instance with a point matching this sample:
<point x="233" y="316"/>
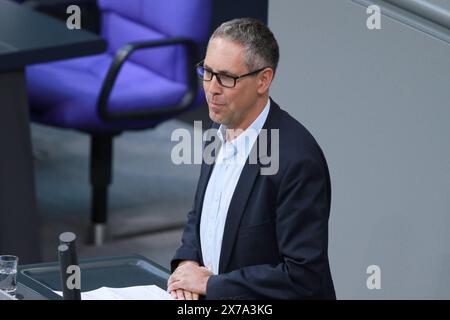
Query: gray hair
<point x="260" y="44"/>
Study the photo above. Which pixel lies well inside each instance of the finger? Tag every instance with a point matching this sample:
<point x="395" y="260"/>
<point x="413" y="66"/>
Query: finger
<point x="176" y="285"/>
<point x="194" y="296"/>
<point x="180" y="295"/>
<point x="187" y="295"/>
<point x="173" y="278"/>
<point x="173" y="294"/>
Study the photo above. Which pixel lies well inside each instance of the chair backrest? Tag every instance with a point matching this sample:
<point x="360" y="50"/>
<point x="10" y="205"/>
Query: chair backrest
<point x="144" y="20"/>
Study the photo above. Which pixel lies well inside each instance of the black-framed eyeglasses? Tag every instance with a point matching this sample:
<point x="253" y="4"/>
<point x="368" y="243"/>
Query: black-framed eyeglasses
<point x="225" y="80"/>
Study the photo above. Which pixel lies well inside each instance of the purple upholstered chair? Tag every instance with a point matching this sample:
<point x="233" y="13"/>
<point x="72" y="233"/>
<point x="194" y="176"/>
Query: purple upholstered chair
<point x="146" y="76"/>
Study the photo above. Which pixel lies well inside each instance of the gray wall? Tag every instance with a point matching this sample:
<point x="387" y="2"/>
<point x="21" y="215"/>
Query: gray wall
<point x="378" y="102"/>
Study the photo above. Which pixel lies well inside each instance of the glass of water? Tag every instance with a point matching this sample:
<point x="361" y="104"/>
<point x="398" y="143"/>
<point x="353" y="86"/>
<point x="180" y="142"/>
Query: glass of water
<point x="8" y="273"/>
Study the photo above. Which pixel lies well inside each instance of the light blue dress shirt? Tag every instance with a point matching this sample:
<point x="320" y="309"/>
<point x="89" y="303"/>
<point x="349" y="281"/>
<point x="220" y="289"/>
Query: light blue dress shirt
<point x="229" y="163"/>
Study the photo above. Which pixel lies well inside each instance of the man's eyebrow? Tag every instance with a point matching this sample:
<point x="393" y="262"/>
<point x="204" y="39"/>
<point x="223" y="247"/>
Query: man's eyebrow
<point x="226" y="72"/>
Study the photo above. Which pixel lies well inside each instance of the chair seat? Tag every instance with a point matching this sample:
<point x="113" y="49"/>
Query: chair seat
<point x="65" y="93"/>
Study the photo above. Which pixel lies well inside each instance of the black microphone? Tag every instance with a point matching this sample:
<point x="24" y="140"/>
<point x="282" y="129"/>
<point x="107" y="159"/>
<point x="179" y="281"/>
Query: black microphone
<point x="68" y="258"/>
<point x="69" y="238"/>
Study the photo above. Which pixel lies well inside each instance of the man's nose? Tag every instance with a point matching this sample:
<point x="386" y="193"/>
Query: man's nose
<point x="214" y="85"/>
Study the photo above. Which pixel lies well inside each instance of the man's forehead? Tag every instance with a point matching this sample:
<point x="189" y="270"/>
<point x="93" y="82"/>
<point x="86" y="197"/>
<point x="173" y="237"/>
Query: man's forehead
<point x="225" y="55"/>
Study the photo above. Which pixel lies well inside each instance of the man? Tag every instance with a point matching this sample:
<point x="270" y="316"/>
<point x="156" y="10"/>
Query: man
<point x="252" y="235"/>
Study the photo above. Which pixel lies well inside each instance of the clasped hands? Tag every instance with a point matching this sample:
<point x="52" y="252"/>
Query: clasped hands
<point x="188" y="281"/>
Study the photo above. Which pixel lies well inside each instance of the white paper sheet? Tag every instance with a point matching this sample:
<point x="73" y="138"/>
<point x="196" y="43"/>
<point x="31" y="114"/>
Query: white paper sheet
<point x="150" y="292"/>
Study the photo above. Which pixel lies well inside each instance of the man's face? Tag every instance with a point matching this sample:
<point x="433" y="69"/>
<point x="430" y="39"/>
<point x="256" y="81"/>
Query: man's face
<point x="229" y="106"/>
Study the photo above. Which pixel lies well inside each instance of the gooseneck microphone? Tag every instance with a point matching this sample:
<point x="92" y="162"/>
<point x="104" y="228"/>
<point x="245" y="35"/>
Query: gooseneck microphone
<point x="69" y="238"/>
<point x="69" y="268"/>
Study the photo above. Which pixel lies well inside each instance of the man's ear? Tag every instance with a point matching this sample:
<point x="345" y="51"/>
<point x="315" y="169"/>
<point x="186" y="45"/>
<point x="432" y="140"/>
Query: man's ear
<point x="264" y="80"/>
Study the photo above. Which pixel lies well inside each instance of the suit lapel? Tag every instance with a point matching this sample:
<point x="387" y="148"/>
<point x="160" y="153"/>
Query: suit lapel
<point x="235" y="211"/>
<point x="242" y="193"/>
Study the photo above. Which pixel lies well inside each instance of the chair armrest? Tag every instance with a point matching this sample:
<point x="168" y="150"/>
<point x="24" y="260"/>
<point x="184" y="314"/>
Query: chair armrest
<point x="121" y="56"/>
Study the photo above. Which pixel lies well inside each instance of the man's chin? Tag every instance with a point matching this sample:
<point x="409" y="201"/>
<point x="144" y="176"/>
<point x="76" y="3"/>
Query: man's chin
<point x="215" y="117"/>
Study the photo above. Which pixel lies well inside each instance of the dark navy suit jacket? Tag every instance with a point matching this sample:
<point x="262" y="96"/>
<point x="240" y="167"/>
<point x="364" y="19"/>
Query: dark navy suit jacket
<point x="275" y="242"/>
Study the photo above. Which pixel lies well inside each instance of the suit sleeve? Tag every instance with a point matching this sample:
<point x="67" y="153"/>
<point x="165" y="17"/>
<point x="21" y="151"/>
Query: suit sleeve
<point x="302" y="236"/>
